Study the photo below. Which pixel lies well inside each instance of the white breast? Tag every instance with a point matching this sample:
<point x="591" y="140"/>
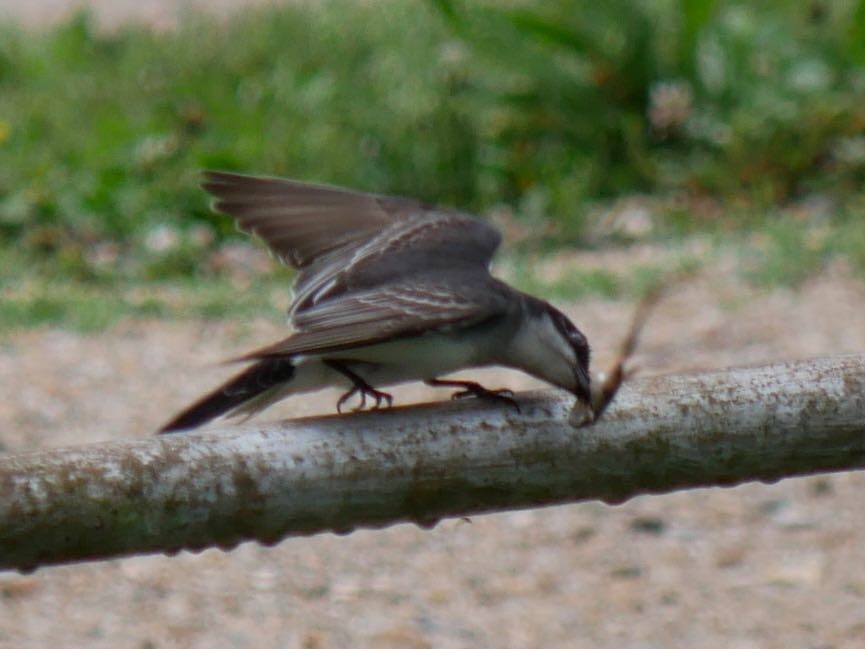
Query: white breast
<point x="416" y="358"/>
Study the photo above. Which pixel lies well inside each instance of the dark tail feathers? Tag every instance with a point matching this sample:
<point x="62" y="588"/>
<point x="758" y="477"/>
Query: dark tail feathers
<point x="248" y="384"/>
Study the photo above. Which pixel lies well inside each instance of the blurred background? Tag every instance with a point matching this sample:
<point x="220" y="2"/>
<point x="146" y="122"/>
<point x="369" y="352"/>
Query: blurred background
<point x="574" y="126"/>
<point x="617" y="144"/>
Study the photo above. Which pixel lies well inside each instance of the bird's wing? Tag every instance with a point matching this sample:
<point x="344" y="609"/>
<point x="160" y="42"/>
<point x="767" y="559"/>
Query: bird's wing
<point x="300" y="221"/>
<point x="342" y="240"/>
<point x="400" y="309"/>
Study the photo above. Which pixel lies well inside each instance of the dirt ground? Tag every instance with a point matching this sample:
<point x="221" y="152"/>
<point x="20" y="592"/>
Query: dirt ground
<point x="753" y="567"/>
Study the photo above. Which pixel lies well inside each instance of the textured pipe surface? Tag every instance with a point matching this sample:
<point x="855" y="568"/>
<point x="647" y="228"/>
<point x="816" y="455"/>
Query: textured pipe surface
<point x="265" y="482"/>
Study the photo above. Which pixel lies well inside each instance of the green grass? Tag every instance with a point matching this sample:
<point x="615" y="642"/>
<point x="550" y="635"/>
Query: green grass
<point x="104" y="135"/>
<point x="87" y="308"/>
<point x="631" y="281"/>
<point x="731" y="115"/>
<point x="781" y="255"/>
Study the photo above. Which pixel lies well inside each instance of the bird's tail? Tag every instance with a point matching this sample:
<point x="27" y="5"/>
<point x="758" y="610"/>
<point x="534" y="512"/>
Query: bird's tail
<point x="248" y="392"/>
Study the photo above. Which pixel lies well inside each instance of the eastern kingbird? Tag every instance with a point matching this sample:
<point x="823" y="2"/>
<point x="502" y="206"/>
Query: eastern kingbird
<point x="388" y="290"/>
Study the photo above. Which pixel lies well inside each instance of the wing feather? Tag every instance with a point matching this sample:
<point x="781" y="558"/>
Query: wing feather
<point x="299" y="221"/>
<point x="401" y="309"/>
<point x="342" y="240"/>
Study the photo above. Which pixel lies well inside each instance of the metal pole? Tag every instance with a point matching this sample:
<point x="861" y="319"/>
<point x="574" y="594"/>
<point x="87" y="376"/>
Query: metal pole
<point x="267" y="481"/>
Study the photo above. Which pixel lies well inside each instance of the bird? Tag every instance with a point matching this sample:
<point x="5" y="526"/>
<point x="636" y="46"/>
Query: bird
<point x="388" y="290"/>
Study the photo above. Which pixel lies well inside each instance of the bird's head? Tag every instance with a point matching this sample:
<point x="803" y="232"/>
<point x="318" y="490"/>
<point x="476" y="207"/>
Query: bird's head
<point x="550" y="347"/>
<point x="579" y="380"/>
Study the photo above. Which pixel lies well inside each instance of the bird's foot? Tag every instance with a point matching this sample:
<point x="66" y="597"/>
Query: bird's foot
<point x="365" y="391"/>
<point x="473" y="389"/>
<point x="359" y="386"/>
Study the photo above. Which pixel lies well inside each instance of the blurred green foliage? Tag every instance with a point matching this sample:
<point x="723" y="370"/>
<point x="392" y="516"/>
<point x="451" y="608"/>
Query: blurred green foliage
<point x="103" y="135"/>
<point x="88" y="307"/>
<point x="756" y="103"/>
<point x="551" y="108"/>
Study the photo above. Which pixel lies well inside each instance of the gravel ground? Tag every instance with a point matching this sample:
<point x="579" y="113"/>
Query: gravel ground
<point x="751" y="567"/>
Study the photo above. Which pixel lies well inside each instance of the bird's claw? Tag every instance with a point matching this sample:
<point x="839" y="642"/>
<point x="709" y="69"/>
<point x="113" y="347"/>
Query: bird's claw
<point x="365" y="391"/>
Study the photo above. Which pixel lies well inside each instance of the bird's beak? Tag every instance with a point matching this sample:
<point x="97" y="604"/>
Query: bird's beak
<point x="582" y="384"/>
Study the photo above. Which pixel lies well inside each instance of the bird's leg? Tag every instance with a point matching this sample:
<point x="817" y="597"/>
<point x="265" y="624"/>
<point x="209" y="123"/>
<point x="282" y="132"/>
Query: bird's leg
<point x="472" y="389"/>
<point x="358" y="385"/>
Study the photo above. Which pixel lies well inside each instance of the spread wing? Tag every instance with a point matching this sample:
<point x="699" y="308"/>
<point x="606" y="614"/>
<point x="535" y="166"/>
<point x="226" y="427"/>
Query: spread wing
<point x="343" y="241"/>
<point x="400" y="309"/>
